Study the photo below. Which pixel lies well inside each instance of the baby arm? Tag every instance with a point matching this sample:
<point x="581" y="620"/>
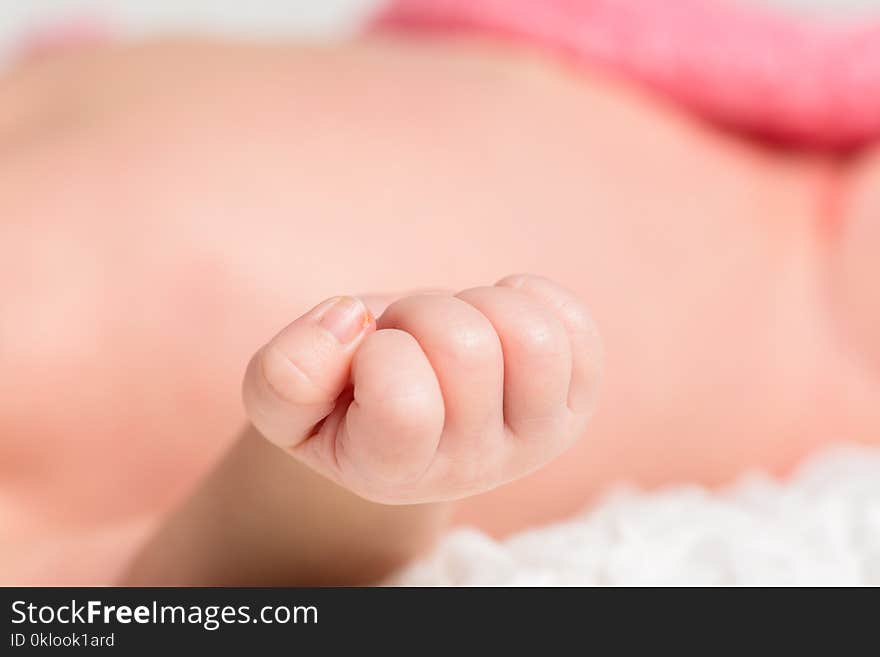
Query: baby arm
<point x="262" y="519"/>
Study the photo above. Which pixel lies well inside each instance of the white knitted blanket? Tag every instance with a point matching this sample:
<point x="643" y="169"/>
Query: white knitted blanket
<point x="821" y="527"/>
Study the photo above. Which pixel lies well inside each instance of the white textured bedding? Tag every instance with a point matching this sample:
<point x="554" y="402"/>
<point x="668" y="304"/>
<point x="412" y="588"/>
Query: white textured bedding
<point x="821" y="527"/>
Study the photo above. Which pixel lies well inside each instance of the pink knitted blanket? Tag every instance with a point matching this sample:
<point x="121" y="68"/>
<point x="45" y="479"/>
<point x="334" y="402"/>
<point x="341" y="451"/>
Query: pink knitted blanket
<point x="802" y="82"/>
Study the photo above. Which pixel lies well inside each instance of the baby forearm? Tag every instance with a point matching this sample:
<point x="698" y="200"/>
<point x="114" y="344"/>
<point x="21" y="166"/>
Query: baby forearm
<point x="262" y="518"/>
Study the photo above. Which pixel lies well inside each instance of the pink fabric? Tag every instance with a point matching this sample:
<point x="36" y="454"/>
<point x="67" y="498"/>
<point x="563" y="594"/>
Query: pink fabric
<point x="803" y="82"/>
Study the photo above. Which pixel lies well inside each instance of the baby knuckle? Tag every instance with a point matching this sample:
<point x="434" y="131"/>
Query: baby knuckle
<point x="540" y="339"/>
<point x="577" y="319"/>
<point x="515" y="280"/>
<point x="404" y="411"/>
<point x="470" y="344"/>
<point x="286" y="380"/>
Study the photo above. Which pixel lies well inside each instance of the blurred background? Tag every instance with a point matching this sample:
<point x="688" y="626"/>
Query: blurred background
<point x="265" y="18"/>
<point x="270" y="18"/>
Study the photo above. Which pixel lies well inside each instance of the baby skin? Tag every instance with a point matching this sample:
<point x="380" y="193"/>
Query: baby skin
<point x="204" y="195"/>
<point x="444" y="397"/>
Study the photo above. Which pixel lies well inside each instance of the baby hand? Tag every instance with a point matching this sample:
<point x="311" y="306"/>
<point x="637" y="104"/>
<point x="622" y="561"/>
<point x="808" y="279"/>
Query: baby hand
<point x="440" y="398"/>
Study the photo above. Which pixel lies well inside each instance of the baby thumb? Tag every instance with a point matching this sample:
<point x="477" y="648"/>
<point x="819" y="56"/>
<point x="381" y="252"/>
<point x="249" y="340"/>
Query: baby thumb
<point x="292" y="383"/>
